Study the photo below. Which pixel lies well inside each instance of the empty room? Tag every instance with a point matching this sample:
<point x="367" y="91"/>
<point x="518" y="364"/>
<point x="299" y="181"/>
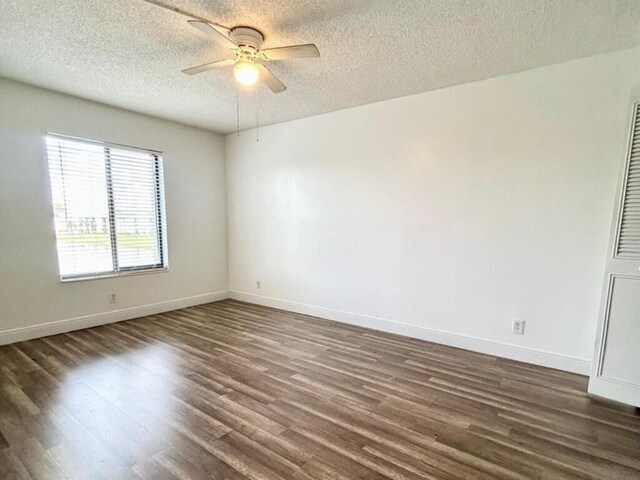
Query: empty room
<point x="320" y="239"/>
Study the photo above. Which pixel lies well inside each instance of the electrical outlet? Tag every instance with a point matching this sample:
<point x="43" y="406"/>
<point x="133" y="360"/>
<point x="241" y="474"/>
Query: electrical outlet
<point x="517" y="327"/>
<point x="113" y="298"/>
<point x="258" y="284"/>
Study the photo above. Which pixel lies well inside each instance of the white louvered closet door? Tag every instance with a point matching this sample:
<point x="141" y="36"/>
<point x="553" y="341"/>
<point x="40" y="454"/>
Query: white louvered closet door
<point x="628" y="240"/>
<point x="615" y="372"/>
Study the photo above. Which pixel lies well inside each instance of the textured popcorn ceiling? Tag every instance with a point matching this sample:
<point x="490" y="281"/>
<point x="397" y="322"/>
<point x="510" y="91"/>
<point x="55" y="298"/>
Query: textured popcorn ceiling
<point x="129" y="53"/>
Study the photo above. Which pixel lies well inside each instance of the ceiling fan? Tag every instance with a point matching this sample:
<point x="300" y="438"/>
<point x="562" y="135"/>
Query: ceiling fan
<point x="248" y="63"/>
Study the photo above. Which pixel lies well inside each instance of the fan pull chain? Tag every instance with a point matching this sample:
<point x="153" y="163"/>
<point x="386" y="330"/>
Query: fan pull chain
<point x="257" y="118"/>
<point x="237" y="112"/>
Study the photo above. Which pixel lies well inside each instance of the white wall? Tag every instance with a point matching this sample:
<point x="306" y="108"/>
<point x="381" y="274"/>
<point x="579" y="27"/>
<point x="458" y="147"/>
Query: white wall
<point x="449" y="212"/>
<point x="31" y="293"/>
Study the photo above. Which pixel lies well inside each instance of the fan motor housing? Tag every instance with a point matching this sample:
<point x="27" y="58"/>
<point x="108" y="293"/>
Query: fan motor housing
<point x="246" y="37"/>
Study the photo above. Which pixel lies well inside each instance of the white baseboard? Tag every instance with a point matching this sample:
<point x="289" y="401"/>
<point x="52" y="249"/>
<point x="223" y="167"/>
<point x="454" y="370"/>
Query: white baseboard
<point x="88" y="321"/>
<point x="615" y="390"/>
<point x="523" y="354"/>
<point x="528" y="355"/>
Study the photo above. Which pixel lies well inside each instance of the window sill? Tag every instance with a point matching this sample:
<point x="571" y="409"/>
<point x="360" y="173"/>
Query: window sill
<point x="115" y="275"/>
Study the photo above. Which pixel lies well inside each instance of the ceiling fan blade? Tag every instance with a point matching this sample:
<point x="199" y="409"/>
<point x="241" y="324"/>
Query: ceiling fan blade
<point x="270" y="80"/>
<point x="294" y="51"/>
<point x="210" y="66"/>
<point x="214" y="31"/>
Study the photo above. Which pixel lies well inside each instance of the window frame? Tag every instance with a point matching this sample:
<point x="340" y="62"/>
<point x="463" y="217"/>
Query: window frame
<point x="160" y="209"/>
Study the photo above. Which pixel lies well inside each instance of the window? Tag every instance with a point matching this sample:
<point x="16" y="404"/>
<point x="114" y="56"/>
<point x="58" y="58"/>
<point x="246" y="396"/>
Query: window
<point x="108" y="204"/>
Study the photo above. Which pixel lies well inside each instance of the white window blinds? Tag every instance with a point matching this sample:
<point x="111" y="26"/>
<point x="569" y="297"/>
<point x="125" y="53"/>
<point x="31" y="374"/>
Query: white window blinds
<point x="108" y="203"/>
<point x="628" y="245"/>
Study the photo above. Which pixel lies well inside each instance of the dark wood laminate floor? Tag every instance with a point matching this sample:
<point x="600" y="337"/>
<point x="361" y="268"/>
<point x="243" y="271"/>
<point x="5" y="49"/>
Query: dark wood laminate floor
<point x="234" y="391"/>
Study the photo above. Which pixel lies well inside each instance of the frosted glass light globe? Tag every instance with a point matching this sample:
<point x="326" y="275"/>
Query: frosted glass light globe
<point x="246" y="73"/>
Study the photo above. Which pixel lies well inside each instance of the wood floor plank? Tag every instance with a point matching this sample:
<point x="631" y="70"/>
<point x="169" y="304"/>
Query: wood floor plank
<point x="234" y="391"/>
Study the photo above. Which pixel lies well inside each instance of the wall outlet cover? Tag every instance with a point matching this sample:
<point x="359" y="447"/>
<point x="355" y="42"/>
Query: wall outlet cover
<point x="517" y="327"/>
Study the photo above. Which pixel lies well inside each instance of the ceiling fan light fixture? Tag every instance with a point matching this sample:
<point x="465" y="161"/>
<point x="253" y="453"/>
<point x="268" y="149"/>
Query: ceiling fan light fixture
<point x="246" y="72"/>
<point x="248" y="64"/>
